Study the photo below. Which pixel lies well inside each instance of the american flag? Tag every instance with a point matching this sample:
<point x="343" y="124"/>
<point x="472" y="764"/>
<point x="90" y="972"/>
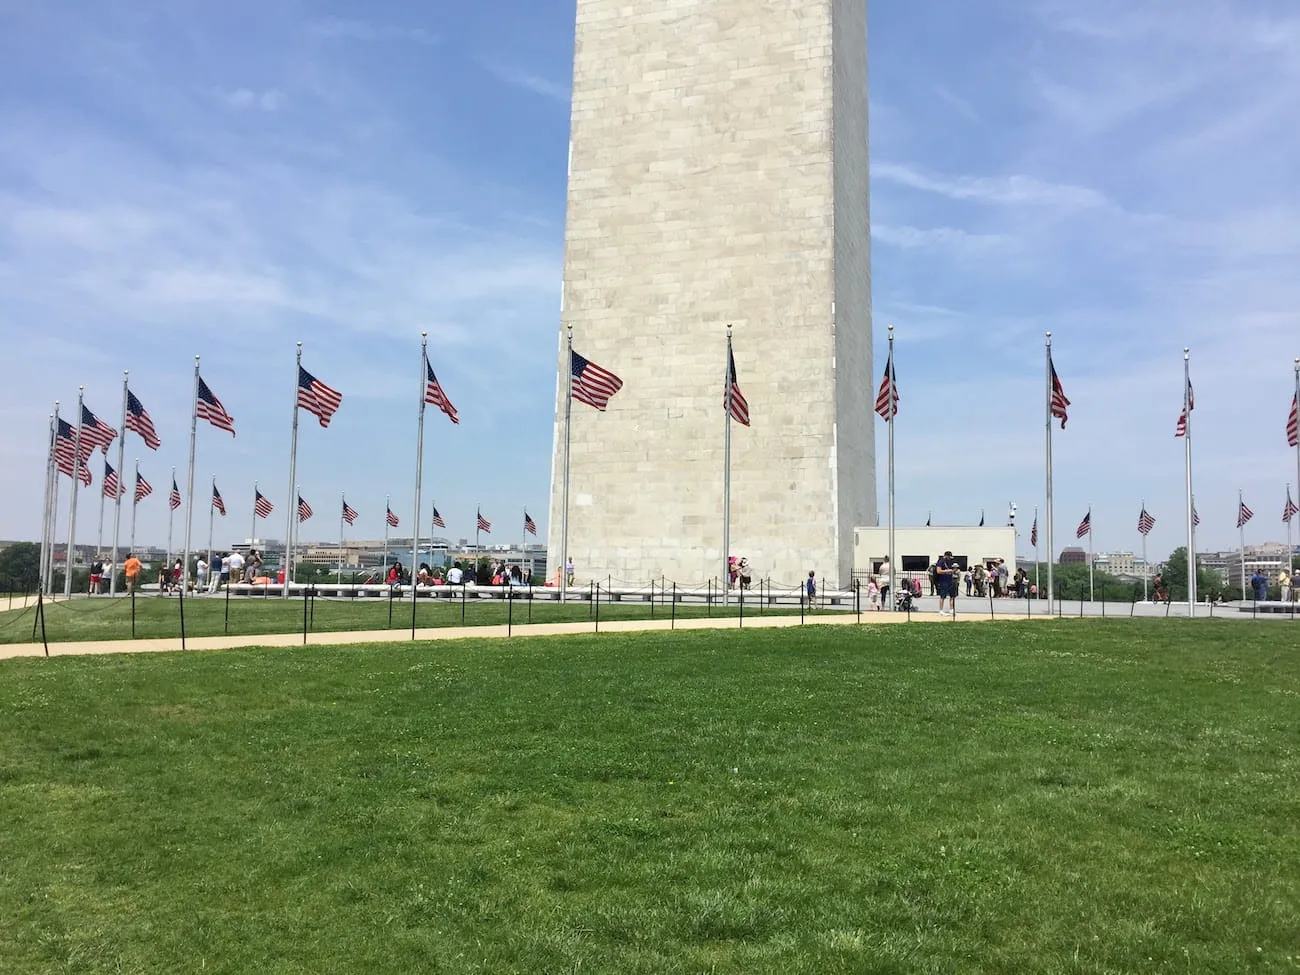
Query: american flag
<point x="1243" y="514"/>
<point x="530" y="526"/>
<point x="1196" y="517"/>
<point x="304" y="509"/>
<point x="137" y="419"/>
<point x="434" y="395"/>
<point x="1085" y="526"/>
<point x="209" y="408"/>
<point x="65" y="458"/>
<point x="1289" y="510"/>
<point x="392" y="518"/>
<point x="262" y="508"/>
<point x="1033" y="533"/>
<point x="590" y="383"/>
<point x="1145" y="522"/>
<point x="1189" y="404"/>
<point x="1058" y="403"/>
<point x="217" y="502"/>
<point x="94" y="433"/>
<point x="143" y="489"/>
<point x="349" y="513"/>
<point x="173" y="500"/>
<point x="437" y="519"/>
<point x="315" y="397"/>
<point x="733" y="400"/>
<point x="112" y="486"/>
<point x="1293" y="424"/>
<point x="887" y="398"/>
<point x="483" y="524"/>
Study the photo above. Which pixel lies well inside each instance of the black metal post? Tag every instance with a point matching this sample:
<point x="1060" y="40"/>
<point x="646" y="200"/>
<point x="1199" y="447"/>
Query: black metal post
<point x="304" y="616"/>
<point x="133" y="612"/>
<point x="597" y="604"/>
<point x="462" y="604"/>
<point x="652" y="599"/>
<point x="510" y="610"/>
<point x="857" y="598"/>
<point x="742" y="606"/>
<point x="182" y="606"/>
<point x="40" y="615"/>
<point x="415" y="598"/>
<point x="708" y="601"/>
<point x="227" y="610"/>
<point x="802" y="599"/>
<point x="390" y="606"/>
<point x="530" y="599"/>
<point x="673" y="624"/>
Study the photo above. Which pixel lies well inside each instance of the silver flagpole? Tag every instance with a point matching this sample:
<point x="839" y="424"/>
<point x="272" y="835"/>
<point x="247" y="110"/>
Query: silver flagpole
<point x="252" y="529"/>
<point x="1091" y="556"/>
<point x="171" y="512"/>
<point x="212" y="514"/>
<point x="1191" y="505"/>
<point x="893" y="419"/>
<point x="419" y="462"/>
<point x="388" y="506"/>
<point x="1241" y="541"/>
<point x="1290" y="558"/>
<point x="103" y="501"/>
<point x="478" y="515"/>
<point x="72" y="504"/>
<point x="1289" y="549"/>
<point x="121" y="479"/>
<point x="1036" y="559"/>
<point x="51" y="481"/>
<point x="564" y="500"/>
<point x="188" y="500"/>
<point x="726" y="473"/>
<point x="293" y="487"/>
<point x="1144" y="554"/>
<point x="344" y="500"/>
<point x="135" y="503"/>
<point x="1051" y="590"/>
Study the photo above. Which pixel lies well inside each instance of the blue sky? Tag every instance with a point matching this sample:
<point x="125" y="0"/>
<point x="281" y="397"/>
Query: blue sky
<point x="181" y="178"/>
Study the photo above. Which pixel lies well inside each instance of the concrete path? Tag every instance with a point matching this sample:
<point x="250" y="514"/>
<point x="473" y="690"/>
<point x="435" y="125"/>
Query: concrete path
<point x="471" y="633"/>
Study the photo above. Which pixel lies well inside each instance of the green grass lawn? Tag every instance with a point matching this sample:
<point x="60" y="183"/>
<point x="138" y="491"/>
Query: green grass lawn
<point x="1047" y="797"/>
<point x="155" y="616"/>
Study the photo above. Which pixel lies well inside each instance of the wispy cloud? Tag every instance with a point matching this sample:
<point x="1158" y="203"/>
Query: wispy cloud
<point x="247" y="99"/>
<point x="520" y="78"/>
<point x="346" y="28"/>
<point x="1014" y="190"/>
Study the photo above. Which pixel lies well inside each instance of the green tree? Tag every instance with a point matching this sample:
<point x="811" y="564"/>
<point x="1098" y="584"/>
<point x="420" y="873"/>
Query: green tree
<point x="20" y="566"/>
<point x="1208" y="582"/>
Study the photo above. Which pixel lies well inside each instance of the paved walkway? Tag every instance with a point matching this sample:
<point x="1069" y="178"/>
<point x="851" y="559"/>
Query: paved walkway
<point x="469" y="632"/>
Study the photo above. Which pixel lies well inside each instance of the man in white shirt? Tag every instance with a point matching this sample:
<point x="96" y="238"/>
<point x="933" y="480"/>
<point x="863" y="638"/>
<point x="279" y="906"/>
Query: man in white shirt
<point x="454" y="575"/>
<point x="236" y="566"/>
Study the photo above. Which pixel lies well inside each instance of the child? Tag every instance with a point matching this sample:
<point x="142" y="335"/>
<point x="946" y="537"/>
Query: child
<point x="810" y="587"/>
<point x="873" y="593"/>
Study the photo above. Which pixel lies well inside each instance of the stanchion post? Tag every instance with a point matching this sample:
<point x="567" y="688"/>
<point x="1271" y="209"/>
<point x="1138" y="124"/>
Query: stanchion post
<point x="802" y="599"/>
<point x="742" y="606"/>
<point x="462" y="604"/>
<point x="597" y="605"/>
<point x="227" y="610"/>
<point x="652" y="599"/>
<point x="133" y="612"/>
<point x="40" y="615"/>
<point x="182" y="608"/>
<point x="510" y="611"/>
<point x="390" y="606"/>
<point x="304" y="616"/>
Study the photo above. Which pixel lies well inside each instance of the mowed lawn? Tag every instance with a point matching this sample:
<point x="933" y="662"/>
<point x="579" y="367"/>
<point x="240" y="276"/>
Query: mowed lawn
<point x="1068" y="796"/>
<point x="155" y="616"/>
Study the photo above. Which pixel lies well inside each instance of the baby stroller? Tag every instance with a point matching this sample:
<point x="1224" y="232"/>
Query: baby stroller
<point x="903" y="599"/>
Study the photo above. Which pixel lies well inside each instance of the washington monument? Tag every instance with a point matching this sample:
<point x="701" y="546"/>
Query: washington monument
<point x="718" y="175"/>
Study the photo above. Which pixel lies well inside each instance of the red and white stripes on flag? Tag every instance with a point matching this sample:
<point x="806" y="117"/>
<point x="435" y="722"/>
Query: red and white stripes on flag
<point x="217" y="503"/>
<point x="304" y="510"/>
<point x="173" y="499"/>
<point x="392" y="518"/>
<point x="1033" y="533"/>
<point x="94" y="433"/>
<point x="1196" y="517"/>
<point x="1244" y="514"/>
<point x="590" y="383"/>
<point x="887" y="398"/>
<point x="209" y="408"/>
<point x="733" y="400"/>
<point x="1146" y="522"/>
<point x="530" y="526"/>
<point x="1058" y="403"/>
<point x="112" y="484"/>
<point x="262" y="506"/>
<point x="1289" y="510"/>
<point x="437" y="520"/>
<point x="1188" y="405"/>
<point x="349" y="513"/>
<point x="433" y="394"/>
<point x="137" y="419"/>
<point x="143" y="489"/>
<point x="317" y="398"/>
<point x="65" y="458"/>
<point x="1085" y="526"/>
<point x="1293" y="424"/>
<point x="483" y="524"/>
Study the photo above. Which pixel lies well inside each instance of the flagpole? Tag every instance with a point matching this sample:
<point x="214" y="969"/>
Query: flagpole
<point x="103" y="501"/>
<point x="478" y="520"/>
<point x="1241" y="541"/>
<point x="1091" y="558"/>
<point x="1036" y="561"/>
<point x="121" y="474"/>
<point x="135" y="503"/>
<point x="419" y="461"/>
<point x="51" y="483"/>
<point x="54" y="522"/>
<point x="189" y="484"/>
<point x="1048" y="526"/>
<point x="388" y="506"/>
<point x="343" y="501"/>
<point x="252" y="528"/>
<point x="1187" y="463"/>
<point x="293" y="487"/>
<point x="726" y="474"/>
<point x="564" y="501"/>
<point x="523" y="540"/>
<point x="72" y="504"/>
<point x="1289" y="550"/>
<point x="1290" y="556"/>
<point x="1144" y="553"/>
<point x="893" y="419"/>
<point x="212" y="512"/>
<point x="171" y="512"/>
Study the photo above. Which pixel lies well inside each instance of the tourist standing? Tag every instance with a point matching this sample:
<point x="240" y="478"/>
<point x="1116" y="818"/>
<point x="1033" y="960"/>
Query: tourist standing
<point x="945" y="583"/>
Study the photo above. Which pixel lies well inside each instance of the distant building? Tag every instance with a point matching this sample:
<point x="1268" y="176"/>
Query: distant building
<point x="1125" y="565"/>
<point x="1073" y="555"/>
